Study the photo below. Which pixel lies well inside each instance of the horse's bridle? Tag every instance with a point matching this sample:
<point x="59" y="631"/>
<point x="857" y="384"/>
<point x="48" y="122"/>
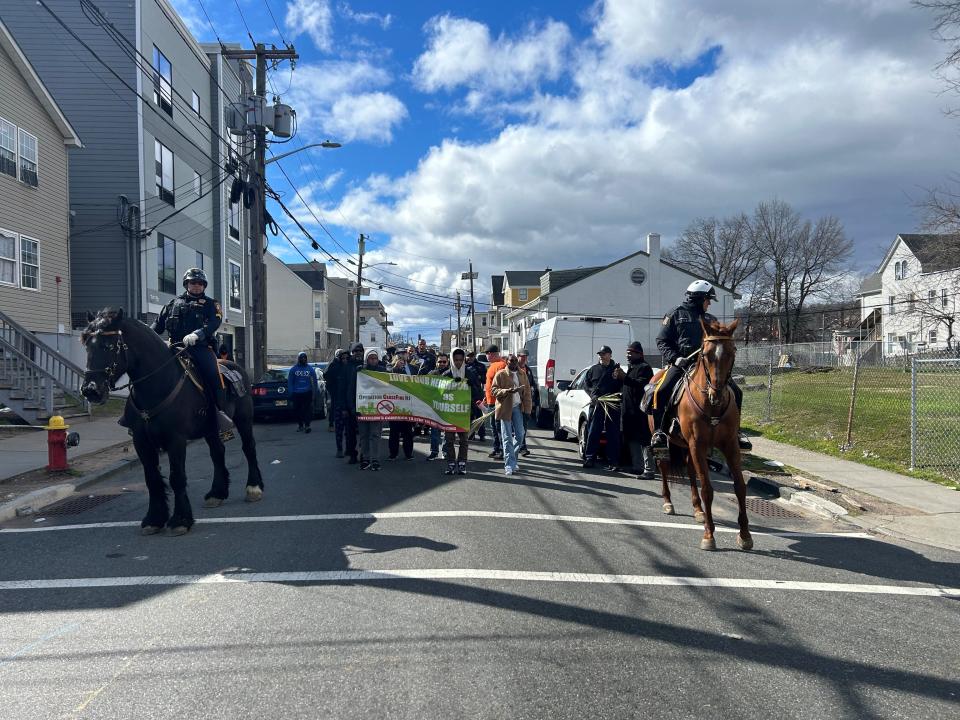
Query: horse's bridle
<point x="111" y="370"/>
<point x="712" y="390"/>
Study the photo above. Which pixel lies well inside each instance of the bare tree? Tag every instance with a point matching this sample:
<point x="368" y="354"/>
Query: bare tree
<point x="721" y="251"/>
<point x="819" y="257"/>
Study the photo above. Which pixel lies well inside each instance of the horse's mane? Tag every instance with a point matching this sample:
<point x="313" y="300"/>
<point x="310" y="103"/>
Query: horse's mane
<point x="111" y="320"/>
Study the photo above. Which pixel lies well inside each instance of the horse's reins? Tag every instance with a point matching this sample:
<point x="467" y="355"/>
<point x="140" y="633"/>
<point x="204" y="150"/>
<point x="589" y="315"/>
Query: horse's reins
<point x="714" y="419"/>
<point x="109" y="371"/>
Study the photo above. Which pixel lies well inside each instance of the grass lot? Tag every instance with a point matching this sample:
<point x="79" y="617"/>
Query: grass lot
<point x="810" y="409"/>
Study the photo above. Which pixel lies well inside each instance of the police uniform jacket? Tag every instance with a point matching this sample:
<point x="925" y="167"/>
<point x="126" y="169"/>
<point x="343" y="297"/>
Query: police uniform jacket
<point x="680" y="332"/>
<point x="188" y="313"/>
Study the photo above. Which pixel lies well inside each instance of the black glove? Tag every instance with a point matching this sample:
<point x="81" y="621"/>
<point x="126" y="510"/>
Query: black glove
<point x="682" y="362"/>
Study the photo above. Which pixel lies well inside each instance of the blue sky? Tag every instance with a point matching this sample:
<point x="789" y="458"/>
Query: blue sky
<point x="526" y="135"/>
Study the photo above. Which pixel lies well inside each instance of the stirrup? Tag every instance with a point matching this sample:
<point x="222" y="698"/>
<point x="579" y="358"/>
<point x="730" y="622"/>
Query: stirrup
<point x="744" y="442"/>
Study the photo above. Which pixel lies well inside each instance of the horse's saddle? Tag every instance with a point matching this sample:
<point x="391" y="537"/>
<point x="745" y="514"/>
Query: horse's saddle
<point x="650" y="391"/>
<point x="231" y="379"/>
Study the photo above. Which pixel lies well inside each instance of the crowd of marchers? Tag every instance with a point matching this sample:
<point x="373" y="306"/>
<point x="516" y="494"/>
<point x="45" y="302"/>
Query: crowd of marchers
<point x="504" y="402"/>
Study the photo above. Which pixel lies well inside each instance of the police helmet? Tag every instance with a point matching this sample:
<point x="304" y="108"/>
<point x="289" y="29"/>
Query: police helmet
<point x="701" y="290"/>
<point x="195" y="275"/>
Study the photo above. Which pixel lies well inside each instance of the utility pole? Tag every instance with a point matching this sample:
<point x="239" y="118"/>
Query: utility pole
<point x="361" y="246"/>
<point x="459" y="326"/>
<point x="473" y="309"/>
<point x="258" y="271"/>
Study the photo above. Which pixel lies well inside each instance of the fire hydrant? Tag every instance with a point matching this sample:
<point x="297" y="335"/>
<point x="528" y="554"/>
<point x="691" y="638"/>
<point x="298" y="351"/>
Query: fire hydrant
<point x="57" y="443"/>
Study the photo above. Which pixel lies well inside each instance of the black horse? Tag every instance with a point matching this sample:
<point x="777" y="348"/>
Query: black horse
<point x="165" y="409"/>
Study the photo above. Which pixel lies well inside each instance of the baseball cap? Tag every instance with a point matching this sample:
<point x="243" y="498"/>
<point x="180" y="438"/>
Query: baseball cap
<point x="493" y="348"/>
<point x="635" y="346"/>
<point x="604" y="349"/>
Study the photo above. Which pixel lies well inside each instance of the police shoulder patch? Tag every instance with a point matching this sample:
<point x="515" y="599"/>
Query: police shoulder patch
<point x="219" y="309"/>
<point x="666" y="320"/>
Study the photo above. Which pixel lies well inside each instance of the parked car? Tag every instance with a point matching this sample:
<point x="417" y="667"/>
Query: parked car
<point x="558" y="347"/>
<point x="571" y="412"/>
<point x="271" y="399"/>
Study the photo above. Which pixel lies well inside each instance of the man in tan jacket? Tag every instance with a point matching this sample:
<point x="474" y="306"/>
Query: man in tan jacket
<point x="511" y="390"/>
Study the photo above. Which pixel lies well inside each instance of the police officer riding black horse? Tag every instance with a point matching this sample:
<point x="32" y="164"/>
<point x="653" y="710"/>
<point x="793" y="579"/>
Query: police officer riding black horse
<point x="192" y="318"/>
<point x="679" y="340"/>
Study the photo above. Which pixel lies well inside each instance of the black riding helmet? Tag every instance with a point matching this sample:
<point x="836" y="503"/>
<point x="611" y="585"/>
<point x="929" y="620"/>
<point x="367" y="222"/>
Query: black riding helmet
<point x="195" y="275"/>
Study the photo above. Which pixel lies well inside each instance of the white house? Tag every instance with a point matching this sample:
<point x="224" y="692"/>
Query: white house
<point x="289" y="312"/>
<point x="911" y="301"/>
<point x="373" y="334"/>
<point x="641" y="288"/>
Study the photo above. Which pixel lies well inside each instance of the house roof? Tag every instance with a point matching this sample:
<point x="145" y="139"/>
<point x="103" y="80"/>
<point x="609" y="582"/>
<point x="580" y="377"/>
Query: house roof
<point x="935" y="252"/>
<point x="496" y="281"/>
<point x="371" y="305"/>
<point x="313" y="274"/>
<point x="523" y="278"/>
<point x="556" y="279"/>
<point x="7" y="42"/>
<point x="871" y="284"/>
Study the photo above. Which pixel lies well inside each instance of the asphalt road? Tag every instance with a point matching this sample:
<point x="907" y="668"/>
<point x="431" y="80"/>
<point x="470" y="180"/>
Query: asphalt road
<point x="408" y="594"/>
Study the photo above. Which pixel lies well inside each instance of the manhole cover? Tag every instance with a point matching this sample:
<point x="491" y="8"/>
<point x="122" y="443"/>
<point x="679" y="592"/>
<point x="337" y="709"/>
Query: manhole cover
<point x="759" y="506"/>
<point x="76" y="505"/>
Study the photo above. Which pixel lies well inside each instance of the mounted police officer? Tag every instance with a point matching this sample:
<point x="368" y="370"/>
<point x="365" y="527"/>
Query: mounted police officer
<point x="679" y="339"/>
<point x="192" y="319"/>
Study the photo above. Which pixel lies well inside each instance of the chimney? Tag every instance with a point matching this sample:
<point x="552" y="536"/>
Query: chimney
<point x="653" y="246"/>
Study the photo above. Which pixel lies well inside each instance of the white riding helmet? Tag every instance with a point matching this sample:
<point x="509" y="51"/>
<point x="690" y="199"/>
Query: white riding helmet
<point x="701" y="288"/>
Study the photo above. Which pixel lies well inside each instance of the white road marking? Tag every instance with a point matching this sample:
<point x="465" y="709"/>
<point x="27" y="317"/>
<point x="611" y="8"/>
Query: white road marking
<point x="355" y="576"/>
<point x="444" y="514"/>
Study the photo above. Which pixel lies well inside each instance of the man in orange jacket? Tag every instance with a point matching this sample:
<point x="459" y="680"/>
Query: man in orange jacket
<point x="496" y="364"/>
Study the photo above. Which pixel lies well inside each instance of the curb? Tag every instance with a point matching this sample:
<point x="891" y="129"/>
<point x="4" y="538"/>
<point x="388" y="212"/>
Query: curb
<point x="818" y="504"/>
<point x="36" y="500"/>
<point x="109" y="471"/>
<point x="768" y="485"/>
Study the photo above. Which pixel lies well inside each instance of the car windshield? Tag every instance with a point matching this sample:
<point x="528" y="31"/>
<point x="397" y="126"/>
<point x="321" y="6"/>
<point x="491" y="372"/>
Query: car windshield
<point x="274" y="375"/>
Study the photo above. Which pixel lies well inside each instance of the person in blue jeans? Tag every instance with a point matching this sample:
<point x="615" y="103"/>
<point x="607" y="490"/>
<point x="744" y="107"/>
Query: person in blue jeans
<point x="511" y="391"/>
<point x="302" y="386"/>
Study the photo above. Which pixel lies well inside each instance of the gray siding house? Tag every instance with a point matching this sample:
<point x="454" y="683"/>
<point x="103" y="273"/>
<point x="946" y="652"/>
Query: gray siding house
<point x="150" y="192"/>
<point x="34" y="201"/>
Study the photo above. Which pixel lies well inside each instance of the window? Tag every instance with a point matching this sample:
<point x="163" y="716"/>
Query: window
<point x="318" y="340"/>
<point x="523" y="293"/>
<point x="896" y="271"/>
<point x="483" y="321"/>
<point x="166" y="265"/>
<point x="903" y="269"/>
<point x="363" y="319"/>
<point x="198" y="262"/>
<point x="911" y="299"/>
<point x="29" y="263"/>
<point x="162" y="81"/>
<point x="891" y="304"/>
<point x="891" y="339"/>
<point x="932" y="296"/>
<point x="8" y="258"/>
<point x="236" y="302"/>
<point x="164" y="172"/>
<point x="233" y="212"/>
<point x="8" y="148"/>
<point x="195" y="103"/>
<point x="318" y="310"/>
<point x="373" y="337"/>
<point x="932" y="337"/>
<point x="197" y="183"/>
<point x="28" y="159"/>
<point x="943" y="297"/>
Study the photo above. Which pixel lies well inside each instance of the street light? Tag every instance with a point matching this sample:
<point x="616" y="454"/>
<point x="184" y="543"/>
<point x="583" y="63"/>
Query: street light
<point x="325" y="144"/>
<point x="351" y="262"/>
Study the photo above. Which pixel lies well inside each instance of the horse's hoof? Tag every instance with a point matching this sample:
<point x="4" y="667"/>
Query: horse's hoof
<point x="744" y="544"/>
<point x="708" y="544"/>
<point x="213" y="502"/>
<point x="150" y="530"/>
<point x="699" y="516"/>
<point x="179" y="530"/>
<point x="668" y="508"/>
<point x="254" y="494"/>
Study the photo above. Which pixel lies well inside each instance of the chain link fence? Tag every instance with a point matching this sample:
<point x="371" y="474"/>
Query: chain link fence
<point x="866" y="399"/>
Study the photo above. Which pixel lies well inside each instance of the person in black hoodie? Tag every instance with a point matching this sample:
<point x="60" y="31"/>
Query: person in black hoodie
<point x="334" y="376"/>
<point x="599" y="382"/>
<point x="480" y="371"/>
<point x="633" y="421"/>
<point x="353" y="366"/>
<point x="461" y="373"/>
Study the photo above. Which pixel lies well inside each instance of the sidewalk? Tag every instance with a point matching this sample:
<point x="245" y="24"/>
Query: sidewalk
<point x="27" y="450"/>
<point x="936" y="507"/>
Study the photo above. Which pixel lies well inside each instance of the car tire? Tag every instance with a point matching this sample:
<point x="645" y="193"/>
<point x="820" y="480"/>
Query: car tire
<point x="558" y="432"/>
<point x="582" y="439"/>
<point x="545" y="419"/>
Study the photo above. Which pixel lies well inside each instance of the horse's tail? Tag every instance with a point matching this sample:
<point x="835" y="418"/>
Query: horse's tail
<point x="679" y="457"/>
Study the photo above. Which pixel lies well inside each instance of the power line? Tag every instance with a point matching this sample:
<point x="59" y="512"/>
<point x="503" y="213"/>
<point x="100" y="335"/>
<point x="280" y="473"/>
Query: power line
<point x="275" y="23"/>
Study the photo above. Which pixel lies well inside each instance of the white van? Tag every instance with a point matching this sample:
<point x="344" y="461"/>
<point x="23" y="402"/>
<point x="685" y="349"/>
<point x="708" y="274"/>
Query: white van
<point x="562" y="346"/>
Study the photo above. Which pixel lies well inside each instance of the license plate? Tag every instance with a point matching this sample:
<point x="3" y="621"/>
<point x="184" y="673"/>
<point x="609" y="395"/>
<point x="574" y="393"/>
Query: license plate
<point x="280" y="403"/>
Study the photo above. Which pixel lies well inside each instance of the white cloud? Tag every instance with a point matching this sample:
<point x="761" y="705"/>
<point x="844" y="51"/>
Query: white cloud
<point x="363" y="18"/>
<point x="345" y="101"/>
<point x="313" y="17"/>
<point x="461" y="52"/>
<point x="829" y="105"/>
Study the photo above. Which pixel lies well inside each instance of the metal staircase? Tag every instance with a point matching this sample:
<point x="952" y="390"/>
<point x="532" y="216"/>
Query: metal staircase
<point x="36" y="382"/>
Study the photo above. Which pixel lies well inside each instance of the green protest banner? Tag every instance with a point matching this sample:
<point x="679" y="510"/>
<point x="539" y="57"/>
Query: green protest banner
<point x="429" y="399"/>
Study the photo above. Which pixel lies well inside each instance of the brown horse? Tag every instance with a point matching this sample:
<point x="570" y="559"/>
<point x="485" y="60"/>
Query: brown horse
<point x="709" y="418"/>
